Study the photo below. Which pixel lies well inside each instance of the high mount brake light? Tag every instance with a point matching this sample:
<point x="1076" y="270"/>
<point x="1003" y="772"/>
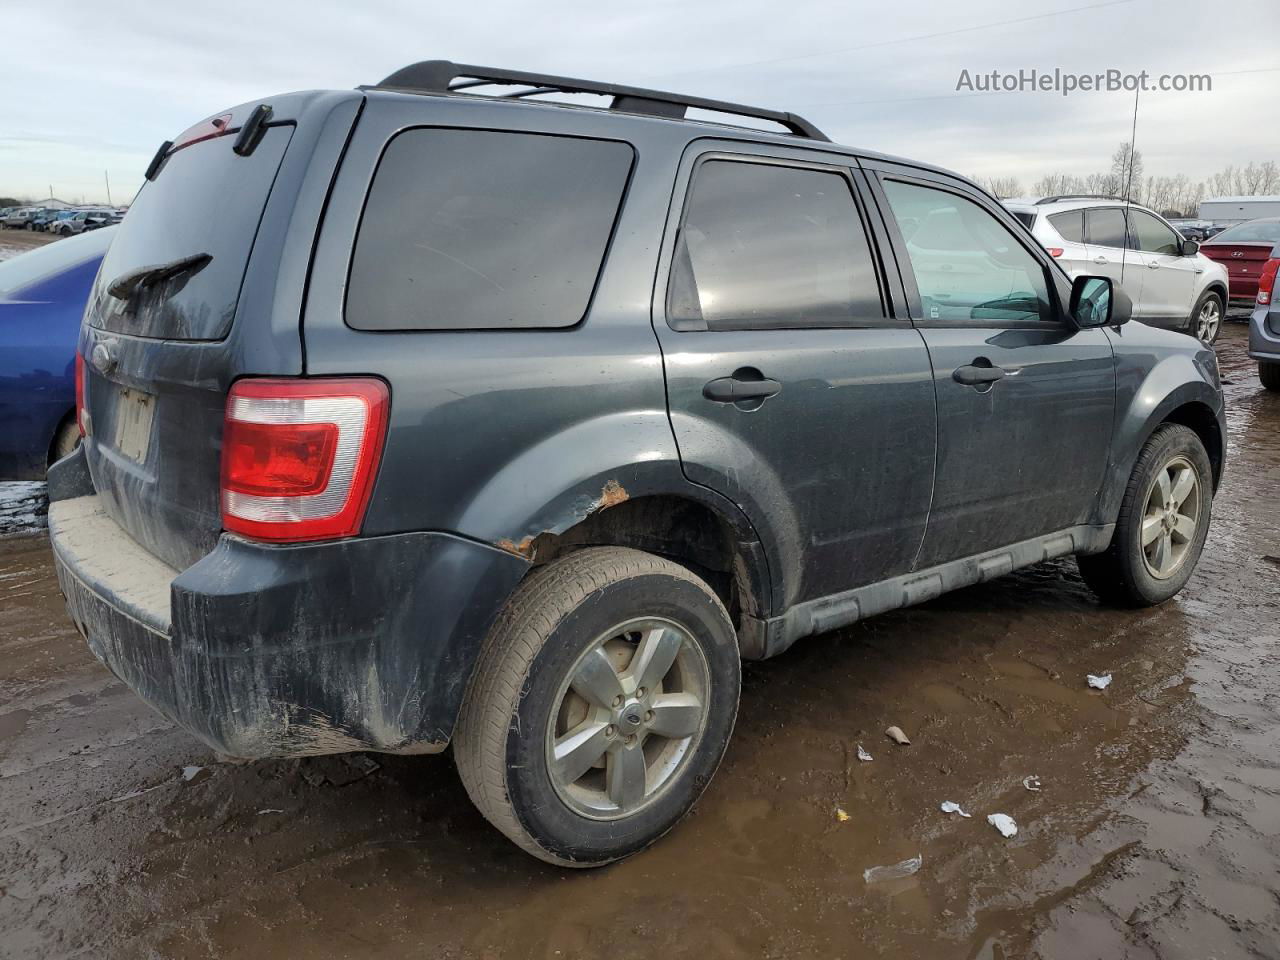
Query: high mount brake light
<point x="299" y="457"/>
<point x="1267" y="281"/>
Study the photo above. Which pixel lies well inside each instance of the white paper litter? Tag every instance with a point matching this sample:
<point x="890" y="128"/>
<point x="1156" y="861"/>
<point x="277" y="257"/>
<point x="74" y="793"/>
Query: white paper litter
<point x="269" y="810"/>
<point x="863" y="755"/>
<point x="189" y="773"/>
<point x="897" y="736"/>
<point x="1032" y="783"/>
<point x="1099" y="683"/>
<point x="1004" y="823"/>
<point x="950" y="807"/>
<point x="894" y="872"/>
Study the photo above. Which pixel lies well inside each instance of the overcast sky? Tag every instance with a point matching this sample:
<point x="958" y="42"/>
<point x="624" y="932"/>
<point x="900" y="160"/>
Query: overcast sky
<point x="88" y="86"/>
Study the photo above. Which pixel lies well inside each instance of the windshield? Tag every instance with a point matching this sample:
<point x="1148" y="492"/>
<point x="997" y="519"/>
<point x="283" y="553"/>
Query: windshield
<point x="1255" y="231"/>
<point x="28" y="269"/>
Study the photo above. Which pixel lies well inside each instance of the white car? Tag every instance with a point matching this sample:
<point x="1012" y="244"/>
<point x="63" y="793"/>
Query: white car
<point x="1170" y="282"/>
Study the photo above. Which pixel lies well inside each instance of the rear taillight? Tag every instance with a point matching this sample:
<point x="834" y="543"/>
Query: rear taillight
<point x="299" y="457"/>
<point x="1056" y="251"/>
<point x="1267" y="281"/>
<point x="80" y="392"/>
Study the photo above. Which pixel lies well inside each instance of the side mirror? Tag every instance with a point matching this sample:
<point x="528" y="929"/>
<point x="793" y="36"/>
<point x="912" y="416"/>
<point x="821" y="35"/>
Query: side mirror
<point x="1190" y="248"/>
<point x="1097" y="302"/>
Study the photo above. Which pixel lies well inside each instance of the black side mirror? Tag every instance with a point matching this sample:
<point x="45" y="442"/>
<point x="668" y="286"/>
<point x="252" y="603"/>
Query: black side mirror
<point x="1097" y="302"/>
<point x="1190" y="248"/>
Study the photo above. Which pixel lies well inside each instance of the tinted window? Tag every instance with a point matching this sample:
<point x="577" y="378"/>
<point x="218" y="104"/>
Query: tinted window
<point x="472" y="229"/>
<point x="967" y="264"/>
<point x="1153" y="236"/>
<point x="1106" y="227"/>
<point x="1024" y="217"/>
<point x="205" y="199"/>
<point x="765" y="246"/>
<point x="1070" y="225"/>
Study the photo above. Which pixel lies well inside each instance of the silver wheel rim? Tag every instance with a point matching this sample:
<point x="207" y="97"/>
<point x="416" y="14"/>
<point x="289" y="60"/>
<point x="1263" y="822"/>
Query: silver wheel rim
<point x="1208" y="320"/>
<point x="1171" y="518"/>
<point x="628" y="717"/>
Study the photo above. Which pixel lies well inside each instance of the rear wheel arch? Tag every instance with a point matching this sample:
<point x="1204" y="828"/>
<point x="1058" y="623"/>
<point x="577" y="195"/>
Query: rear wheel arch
<point x="718" y="547"/>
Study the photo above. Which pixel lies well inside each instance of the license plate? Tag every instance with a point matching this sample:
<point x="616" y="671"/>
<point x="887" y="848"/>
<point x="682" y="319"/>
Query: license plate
<point x="134" y="413"/>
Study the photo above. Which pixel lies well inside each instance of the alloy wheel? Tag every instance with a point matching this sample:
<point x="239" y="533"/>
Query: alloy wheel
<point x="1170" y="518"/>
<point x="628" y="716"/>
<point x="1208" y="320"/>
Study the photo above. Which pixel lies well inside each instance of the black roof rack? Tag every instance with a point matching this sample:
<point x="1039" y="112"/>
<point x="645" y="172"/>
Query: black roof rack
<point x="439" y="76"/>
<point x="1078" y="196"/>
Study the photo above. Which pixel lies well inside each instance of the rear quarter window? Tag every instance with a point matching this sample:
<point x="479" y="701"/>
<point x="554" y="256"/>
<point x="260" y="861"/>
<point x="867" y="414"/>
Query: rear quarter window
<point x="478" y="229"/>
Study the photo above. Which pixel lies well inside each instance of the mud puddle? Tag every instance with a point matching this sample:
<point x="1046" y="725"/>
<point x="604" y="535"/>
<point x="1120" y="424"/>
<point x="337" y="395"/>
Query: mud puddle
<point x="1154" y="833"/>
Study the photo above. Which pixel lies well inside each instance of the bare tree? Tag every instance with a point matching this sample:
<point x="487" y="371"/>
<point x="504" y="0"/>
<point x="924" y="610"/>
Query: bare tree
<point x="1126" y="170"/>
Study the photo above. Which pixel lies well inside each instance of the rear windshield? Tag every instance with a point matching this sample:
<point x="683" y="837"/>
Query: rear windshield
<point x="476" y="229"/>
<point x="1257" y="231"/>
<point x="205" y="200"/>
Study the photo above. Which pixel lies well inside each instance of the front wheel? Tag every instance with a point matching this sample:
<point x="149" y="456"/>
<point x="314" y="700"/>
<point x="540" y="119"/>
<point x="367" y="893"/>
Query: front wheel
<point x="1206" y="317"/>
<point x="601" y="704"/>
<point x="1269" y="374"/>
<point x="1163" y="522"/>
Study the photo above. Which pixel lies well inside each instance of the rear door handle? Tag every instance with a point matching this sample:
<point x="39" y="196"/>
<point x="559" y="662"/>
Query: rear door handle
<point x="973" y="375"/>
<point x="1152" y="265"/>
<point x="1101" y="260"/>
<point x="734" y="390"/>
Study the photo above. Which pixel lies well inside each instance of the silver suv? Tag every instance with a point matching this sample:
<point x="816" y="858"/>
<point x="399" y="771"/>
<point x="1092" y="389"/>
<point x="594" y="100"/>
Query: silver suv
<point x="1170" y="282"/>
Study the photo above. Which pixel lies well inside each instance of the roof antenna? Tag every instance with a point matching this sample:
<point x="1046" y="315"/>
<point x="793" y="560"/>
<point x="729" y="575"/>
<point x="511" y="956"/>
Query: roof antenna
<point x="1128" y="185"/>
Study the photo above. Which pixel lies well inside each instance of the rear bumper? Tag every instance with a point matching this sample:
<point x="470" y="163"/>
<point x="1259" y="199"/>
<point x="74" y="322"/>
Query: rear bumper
<point x="271" y="651"/>
<point x="1264" y="333"/>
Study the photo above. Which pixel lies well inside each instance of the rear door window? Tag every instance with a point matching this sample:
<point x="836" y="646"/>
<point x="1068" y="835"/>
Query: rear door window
<point x="766" y="246"/>
<point x="205" y="200"/>
<point x="479" y="229"/>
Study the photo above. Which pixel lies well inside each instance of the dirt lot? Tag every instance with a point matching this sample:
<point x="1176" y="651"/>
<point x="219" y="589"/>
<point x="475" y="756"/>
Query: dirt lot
<point x="1156" y="832"/>
<point x="14" y="242"/>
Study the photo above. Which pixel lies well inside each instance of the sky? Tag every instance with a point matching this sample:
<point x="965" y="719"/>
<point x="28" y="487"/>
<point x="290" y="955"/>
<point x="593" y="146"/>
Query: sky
<point x="881" y="76"/>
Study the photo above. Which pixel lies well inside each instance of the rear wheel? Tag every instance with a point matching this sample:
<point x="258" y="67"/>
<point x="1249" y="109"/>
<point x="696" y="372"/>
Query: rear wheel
<point x="1269" y="374"/>
<point x="1163" y="522"/>
<point x="600" y="707"/>
<point x="64" y="441"/>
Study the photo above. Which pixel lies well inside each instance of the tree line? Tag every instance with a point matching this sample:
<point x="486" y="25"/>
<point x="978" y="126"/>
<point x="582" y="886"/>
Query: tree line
<point x="1173" y="196"/>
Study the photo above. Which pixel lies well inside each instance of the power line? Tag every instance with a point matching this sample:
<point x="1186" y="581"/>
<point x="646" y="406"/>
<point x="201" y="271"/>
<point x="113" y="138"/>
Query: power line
<point x="887" y="43"/>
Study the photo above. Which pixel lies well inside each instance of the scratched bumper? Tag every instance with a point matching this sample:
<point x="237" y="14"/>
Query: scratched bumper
<point x="271" y="651"/>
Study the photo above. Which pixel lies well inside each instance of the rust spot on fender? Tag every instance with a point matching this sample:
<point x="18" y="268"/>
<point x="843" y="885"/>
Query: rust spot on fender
<point x="522" y="549"/>
<point x="613" y="494"/>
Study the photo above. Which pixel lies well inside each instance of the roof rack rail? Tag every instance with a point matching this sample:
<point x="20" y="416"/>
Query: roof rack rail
<point x="1078" y="196"/>
<point x="439" y="76"/>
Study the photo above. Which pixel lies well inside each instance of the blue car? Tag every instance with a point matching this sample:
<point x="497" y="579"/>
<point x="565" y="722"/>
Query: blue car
<point x="42" y="298"/>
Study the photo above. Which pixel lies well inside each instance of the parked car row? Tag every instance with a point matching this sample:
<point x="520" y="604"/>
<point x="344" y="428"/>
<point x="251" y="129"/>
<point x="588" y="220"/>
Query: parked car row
<point x="1171" y="282"/>
<point x="64" y="223"/>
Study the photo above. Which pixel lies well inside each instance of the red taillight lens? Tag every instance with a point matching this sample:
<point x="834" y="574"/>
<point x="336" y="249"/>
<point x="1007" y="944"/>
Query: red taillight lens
<point x="204" y="130"/>
<point x="1267" y="281"/>
<point x="80" y="392"/>
<point x="1056" y="251"/>
<point x="299" y="457"/>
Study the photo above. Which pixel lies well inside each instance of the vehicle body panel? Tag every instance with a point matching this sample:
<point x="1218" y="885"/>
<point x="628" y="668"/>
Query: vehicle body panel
<point x="39" y="324"/>
<point x="1243" y="250"/>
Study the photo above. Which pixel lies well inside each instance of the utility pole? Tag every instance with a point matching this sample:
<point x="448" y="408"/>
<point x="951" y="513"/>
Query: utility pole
<point x="108" y="180"/>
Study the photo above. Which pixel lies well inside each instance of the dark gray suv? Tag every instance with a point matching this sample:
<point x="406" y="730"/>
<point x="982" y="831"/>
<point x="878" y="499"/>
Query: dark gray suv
<point x="416" y="417"/>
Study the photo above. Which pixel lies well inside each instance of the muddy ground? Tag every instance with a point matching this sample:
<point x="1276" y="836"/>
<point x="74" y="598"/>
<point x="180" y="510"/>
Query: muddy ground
<point x="1156" y="832"/>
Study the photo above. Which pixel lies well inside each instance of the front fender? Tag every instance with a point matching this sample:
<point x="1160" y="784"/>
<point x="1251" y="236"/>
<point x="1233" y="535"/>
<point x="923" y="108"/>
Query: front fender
<point x="1159" y="373"/>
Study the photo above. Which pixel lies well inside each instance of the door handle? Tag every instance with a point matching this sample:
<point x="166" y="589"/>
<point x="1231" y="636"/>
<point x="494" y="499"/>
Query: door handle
<point x="1101" y="260"/>
<point x="1152" y="265"/>
<point x="736" y="389"/>
<point x="976" y="374"/>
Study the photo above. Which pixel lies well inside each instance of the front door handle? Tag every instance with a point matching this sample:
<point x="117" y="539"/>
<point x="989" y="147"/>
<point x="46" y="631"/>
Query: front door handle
<point x="974" y="375"/>
<point x="1152" y="265"/>
<point x="1101" y="260"/>
<point x="736" y="389"/>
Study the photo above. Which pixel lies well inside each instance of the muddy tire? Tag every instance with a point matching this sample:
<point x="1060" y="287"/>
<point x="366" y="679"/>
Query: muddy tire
<point x="1269" y="374"/>
<point x="1163" y="522"/>
<point x="64" y="441"/>
<point x="600" y="707"/>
